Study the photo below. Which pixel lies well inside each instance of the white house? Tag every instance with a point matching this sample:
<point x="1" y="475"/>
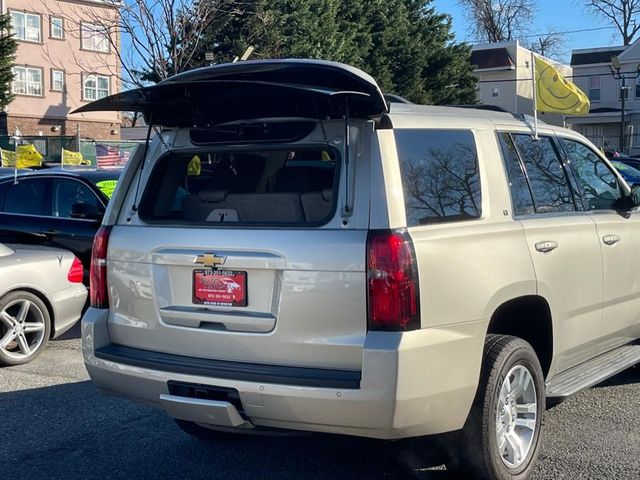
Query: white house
<point x="505" y="78"/>
<point x="592" y="73"/>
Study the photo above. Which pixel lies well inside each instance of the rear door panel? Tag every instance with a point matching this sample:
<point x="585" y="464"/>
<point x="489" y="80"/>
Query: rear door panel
<point x="306" y="294"/>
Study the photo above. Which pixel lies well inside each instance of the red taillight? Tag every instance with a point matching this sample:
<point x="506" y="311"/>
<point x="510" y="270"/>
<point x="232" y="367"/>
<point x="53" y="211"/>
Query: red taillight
<point x="76" y="271"/>
<point x="98" y="271"/>
<point x="392" y="277"/>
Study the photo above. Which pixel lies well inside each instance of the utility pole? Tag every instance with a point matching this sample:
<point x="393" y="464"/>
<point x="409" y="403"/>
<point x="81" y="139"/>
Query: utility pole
<point x="622" y="76"/>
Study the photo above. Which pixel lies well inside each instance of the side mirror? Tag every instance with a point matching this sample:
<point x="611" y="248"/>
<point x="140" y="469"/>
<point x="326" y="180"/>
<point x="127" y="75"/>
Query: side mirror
<point x="85" y="211"/>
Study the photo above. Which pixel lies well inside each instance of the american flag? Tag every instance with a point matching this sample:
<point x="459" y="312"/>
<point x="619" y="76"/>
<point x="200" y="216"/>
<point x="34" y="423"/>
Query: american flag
<point x="109" y="156"/>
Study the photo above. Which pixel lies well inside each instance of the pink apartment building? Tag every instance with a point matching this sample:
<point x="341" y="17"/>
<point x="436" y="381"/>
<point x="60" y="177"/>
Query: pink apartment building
<point x="66" y="57"/>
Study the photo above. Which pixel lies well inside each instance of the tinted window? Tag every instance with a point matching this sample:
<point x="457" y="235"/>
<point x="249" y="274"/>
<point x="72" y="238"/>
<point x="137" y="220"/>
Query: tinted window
<point x="597" y="183"/>
<point x="65" y="193"/>
<point x="440" y="176"/>
<point x="27" y="197"/>
<point x="547" y="178"/>
<point x="267" y="187"/>
<point x="520" y="191"/>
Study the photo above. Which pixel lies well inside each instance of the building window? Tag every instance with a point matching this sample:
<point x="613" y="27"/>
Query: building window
<point x="57" y="28"/>
<point x="27" y="81"/>
<point x="26" y="26"/>
<point x="495" y="92"/>
<point x="57" y="80"/>
<point x="594" y="89"/>
<point x="95" y="87"/>
<point x="95" y="37"/>
<point x="638" y="88"/>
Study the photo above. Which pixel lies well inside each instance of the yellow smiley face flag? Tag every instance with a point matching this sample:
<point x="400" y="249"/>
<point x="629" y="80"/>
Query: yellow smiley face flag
<point x="73" y="158"/>
<point x="8" y="158"/>
<point x="555" y="94"/>
<point x="27" y="156"/>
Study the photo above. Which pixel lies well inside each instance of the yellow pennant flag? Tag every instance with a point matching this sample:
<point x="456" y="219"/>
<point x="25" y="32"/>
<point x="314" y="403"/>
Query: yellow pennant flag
<point x="27" y="156"/>
<point x="555" y="94"/>
<point x="8" y="158"/>
<point x="73" y="158"/>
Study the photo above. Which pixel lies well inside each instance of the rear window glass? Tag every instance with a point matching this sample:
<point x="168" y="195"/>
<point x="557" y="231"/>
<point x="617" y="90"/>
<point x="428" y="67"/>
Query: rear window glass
<point x="258" y="187"/>
<point x="440" y="177"/>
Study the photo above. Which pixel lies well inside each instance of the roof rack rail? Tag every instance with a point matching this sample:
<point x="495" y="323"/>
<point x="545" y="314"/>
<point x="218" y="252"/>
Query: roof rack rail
<point x="492" y="108"/>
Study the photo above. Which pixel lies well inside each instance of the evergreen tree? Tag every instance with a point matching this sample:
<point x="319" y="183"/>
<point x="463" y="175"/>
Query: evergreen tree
<point x="8" y="48"/>
<point x="405" y="45"/>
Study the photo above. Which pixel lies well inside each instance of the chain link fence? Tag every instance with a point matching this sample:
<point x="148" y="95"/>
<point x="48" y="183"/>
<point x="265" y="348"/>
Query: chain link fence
<point x="96" y="151"/>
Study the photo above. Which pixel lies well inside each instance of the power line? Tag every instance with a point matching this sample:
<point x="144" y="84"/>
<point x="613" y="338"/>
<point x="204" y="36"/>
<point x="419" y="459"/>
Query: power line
<point x="530" y="79"/>
<point x="566" y="32"/>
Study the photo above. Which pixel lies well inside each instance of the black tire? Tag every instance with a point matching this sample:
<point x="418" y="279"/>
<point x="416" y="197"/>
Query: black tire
<point x="204" y="433"/>
<point x="5" y="357"/>
<point x="474" y="452"/>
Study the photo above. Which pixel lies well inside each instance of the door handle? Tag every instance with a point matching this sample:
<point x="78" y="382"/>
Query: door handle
<point x="611" y="239"/>
<point x="49" y="233"/>
<point x="547" y="246"/>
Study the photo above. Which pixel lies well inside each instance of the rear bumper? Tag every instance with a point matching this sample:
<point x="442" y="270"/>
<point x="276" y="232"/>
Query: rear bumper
<point x="67" y="307"/>
<point x="411" y="384"/>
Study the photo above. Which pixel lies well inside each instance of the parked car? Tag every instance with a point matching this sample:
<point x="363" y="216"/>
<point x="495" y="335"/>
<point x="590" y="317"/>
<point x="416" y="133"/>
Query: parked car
<point x="631" y="161"/>
<point x="440" y="271"/>
<point x="55" y="207"/>
<point x="41" y="297"/>
<point x="630" y="174"/>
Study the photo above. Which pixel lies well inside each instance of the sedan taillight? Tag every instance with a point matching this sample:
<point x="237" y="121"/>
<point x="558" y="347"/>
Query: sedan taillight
<point x="76" y="271"/>
<point x="98" y="292"/>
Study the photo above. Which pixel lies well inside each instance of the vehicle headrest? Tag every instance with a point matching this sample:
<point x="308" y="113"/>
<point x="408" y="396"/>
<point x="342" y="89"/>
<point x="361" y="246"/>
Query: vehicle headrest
<point x="327" y="194"/>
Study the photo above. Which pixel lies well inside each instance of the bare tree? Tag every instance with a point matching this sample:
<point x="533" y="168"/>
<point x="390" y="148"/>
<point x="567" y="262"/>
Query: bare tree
<point x="499" y="20"/>
<point x="622" y="13"/>
<point x="548" y="45"/>
<point x="152" y="39"/>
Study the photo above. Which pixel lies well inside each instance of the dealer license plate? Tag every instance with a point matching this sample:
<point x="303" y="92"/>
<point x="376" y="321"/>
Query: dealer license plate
<point x="225" y="288"/>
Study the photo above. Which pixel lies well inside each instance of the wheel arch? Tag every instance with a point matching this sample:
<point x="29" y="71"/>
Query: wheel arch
<point x="527" y="317"/>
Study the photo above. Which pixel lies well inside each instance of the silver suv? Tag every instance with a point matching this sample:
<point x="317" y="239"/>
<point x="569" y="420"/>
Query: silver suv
<point x="290" y="252"/>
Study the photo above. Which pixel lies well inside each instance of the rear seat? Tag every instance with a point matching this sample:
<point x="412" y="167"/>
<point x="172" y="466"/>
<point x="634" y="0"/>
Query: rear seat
<point x="266" y="207"/>
<point x="217" y="206"/>
<point x="196" y="208"/>
<point x="317" y="205"/>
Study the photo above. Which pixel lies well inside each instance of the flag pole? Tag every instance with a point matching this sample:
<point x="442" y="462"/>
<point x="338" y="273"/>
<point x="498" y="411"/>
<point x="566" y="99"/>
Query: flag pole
<point x="535" y="97"/>
<point x="15" y="165"/>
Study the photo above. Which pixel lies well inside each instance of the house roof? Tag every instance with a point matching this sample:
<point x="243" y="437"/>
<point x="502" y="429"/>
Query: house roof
<point x="491" y="58"/>
<point x="599" y="55"/>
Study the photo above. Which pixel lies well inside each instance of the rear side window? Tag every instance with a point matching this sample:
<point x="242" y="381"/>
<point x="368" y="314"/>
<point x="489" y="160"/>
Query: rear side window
<point x="256" y="187"/>
<point x="27" y="197"/>
<point x="440" y="176"/>
<point x="547" y="178"/>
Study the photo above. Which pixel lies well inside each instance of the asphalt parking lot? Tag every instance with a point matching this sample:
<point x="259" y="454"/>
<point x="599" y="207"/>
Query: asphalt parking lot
<point x="55" y="424"/>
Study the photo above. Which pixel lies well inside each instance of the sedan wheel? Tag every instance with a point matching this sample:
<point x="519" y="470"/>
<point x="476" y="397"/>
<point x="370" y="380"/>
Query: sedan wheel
<point x="24" y="327"/>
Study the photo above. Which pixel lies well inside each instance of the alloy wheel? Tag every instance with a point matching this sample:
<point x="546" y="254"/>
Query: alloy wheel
<point x="516" y="416"/>
<point x="22" y="329"/>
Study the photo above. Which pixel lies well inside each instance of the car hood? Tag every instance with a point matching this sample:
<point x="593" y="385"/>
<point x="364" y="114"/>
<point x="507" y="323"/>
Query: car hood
<point x="252" y="90"/>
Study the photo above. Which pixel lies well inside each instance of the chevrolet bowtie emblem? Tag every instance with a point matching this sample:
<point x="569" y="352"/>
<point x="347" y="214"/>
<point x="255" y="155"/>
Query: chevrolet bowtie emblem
<point x="209" y="260"/>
